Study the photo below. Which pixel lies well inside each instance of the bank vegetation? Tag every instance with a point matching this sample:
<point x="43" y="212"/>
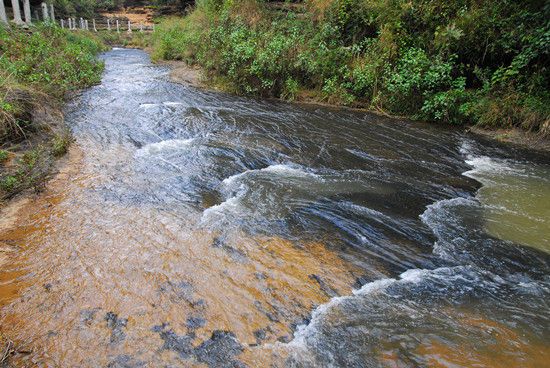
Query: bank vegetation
<point x="466" y="62"/>
<point x="40" y="67"/>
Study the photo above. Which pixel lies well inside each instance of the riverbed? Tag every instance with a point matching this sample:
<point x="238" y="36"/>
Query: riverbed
<point x="196" y="228"/>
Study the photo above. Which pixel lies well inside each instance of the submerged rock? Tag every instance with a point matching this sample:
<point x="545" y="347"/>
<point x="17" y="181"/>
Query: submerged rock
<point x="116" y="324"/>
<point x="219" y="350"/>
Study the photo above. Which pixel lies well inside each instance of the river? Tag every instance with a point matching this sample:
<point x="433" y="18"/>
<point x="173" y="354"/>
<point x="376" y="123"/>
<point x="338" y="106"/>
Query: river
<point x="199" y="229"/>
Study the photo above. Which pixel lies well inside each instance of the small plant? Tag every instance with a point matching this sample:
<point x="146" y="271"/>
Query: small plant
<point x="61" y="143"/>
<point x="9" y="183"/>
<point x="3" y="156"/>
<point x="290" y="90"/>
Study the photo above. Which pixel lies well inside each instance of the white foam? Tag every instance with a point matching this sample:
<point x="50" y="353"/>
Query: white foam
<point x="374" y="287"/>
<point x="300" y="342"/>
<point x="360" y="210"/>
<point x="482" y="165"/>
<point x="167" y="103"/>
<point x="485" y="167"/>
<point x="439" y="217"/>
<point x="280" y="170"/>
<point x="433" y="212"/>
<point x="432" y="218"/>
<point x="170" y="145"/>
<point x="146" y="105"/>
<point x="230" y="205"/>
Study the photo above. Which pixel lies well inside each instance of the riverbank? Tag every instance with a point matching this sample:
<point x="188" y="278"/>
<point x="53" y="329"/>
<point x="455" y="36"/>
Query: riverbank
<point x="420" y="60"/>
<point x="40" y="68"/>
<point x="514" y="136"/>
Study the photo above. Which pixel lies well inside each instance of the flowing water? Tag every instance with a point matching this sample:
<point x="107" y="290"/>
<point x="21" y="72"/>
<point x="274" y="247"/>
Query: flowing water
<point x="197" y="229"/>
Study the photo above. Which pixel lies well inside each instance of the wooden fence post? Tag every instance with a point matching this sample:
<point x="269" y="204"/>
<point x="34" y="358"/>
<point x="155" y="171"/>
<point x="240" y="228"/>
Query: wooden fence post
<point x="27" y="11"/>
<point x="3" y="16"/>
<point x="16" y="12"/>
<point x="45" y="12"/>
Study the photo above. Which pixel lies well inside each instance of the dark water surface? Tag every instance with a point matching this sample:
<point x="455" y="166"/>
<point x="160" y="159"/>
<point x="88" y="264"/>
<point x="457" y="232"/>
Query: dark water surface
<point x="193" y="228"/>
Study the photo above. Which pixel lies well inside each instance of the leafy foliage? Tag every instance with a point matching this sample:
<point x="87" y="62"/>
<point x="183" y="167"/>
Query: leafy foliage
<point x="53" y="59"/>
<point x="38" y="67"/>
<point x="457" y="62"/>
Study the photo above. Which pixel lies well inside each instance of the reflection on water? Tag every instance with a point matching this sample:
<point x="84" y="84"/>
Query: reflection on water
<point x="191" y="228"/>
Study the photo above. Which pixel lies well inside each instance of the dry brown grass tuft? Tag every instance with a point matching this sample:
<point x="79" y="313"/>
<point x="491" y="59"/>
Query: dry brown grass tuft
<point x="252" y="12"/>
<point x="318" y="8"/>
<point x="17" y="103"/>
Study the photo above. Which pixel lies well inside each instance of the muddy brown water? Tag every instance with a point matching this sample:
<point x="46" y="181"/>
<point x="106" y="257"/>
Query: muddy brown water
<point x="197" y="229"/>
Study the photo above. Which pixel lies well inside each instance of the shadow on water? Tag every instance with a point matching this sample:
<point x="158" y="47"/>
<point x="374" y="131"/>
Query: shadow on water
<point x="192" y="228"/>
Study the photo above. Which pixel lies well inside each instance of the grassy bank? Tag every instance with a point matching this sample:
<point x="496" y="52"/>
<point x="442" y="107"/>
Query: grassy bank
<point x="39" y="68"/>
<point x="460" y="62"/>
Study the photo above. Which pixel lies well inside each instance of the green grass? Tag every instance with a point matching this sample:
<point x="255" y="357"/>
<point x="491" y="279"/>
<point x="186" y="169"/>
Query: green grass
<point x="44" y="63"/>
<point x="39" y="67"/>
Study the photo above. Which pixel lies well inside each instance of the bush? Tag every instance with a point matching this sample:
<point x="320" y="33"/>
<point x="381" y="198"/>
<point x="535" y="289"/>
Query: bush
<point x="52" y="59"/>
<point x="3" y="156"/>
<point x="435" y="60"/>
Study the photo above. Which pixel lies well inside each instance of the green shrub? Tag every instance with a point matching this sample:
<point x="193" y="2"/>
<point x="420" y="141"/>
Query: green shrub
<point x="38" y="67"/>
<point x="435" y="60"/>
<point x="50" y="58"/>
<point x="39" y="64"/>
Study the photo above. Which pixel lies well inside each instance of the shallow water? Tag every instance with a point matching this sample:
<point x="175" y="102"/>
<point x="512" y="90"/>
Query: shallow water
<point x="193" y="228"/>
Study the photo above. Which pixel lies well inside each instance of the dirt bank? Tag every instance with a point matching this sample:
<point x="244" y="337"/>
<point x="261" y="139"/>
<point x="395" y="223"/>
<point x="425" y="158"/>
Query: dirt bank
<point x="515" y="136"/>
<point x="184" y="74"/>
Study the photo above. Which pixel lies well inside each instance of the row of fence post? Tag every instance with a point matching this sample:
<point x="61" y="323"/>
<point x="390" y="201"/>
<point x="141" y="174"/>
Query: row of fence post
<point x="48" y="15"/>
<point x="83" y="25"/>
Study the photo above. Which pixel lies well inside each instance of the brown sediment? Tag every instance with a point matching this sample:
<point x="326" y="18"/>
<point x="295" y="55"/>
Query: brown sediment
<point x="84" y="262"/>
